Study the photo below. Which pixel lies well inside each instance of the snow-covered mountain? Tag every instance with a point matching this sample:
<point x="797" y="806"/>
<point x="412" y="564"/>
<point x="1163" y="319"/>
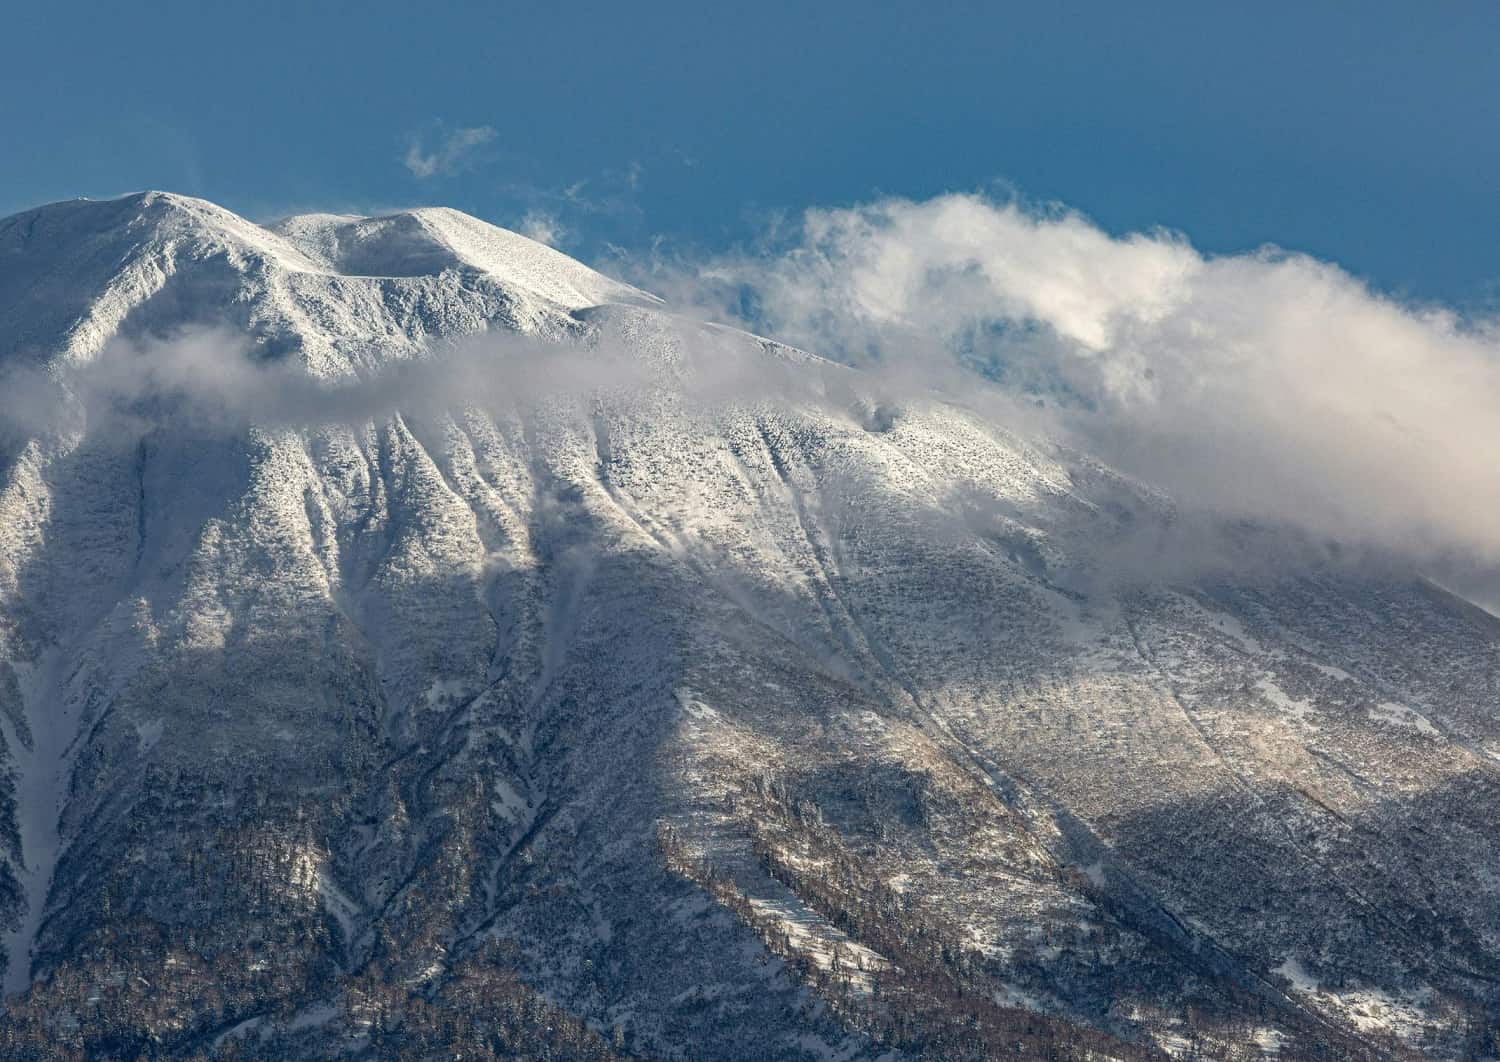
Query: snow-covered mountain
<point x="783" y="718"/>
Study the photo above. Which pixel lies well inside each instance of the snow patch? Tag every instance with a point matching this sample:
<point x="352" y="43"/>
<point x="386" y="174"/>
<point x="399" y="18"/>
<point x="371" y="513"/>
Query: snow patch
<point x="1270" y="1041"/>
<point x="695" y="709"/>
<point x="1368" y="1009"/>
<point x="444" y="692"/>
<point x="1226" y="624"/>
<point x="508" y="804"/>
<point x="338" y="904"/>
<point x="1298" y="710"/>
<point x="1297" y="974"/>
<point x="1333" y="672"/>
<point x="1095" y="873"/>
<point x="1400" y="715"/>
<point x="148" y="734"/>
<point x="1011" y="996"/>
<point x="43" y="774"/>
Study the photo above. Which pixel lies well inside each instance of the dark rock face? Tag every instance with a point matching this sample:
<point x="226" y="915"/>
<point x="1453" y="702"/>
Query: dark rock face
<point x="643" y="718"/>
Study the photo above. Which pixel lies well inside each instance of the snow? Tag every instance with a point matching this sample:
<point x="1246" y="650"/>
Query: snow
<point x="1399" y="715"/>
<point x="1270" y="1041"/>
<point x="695" y="709"/>
<point x="395" y="245"/>
<point x="1293" y="971"/>
<point x="349" y="288"/>
<point x="338" y="903"/>
<point x="444" y="693"/>
<point x="1298" y="711"/>
<point x="1367" y="1008"/>
<point x="1224" y="622"/>
<point x="813" y="936"/>
<point x="43" y="774"/>
<point x="1333" y="672"/>
<point x="508" y="803"/>
<point x="1012" y="996"/>
<point x="149" y="733"/>
<point x="315" y="1016"/>
<point x="434" y="239"/>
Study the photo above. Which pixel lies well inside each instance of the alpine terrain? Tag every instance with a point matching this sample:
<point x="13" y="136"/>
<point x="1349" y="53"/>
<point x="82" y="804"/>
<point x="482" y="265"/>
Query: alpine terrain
<point x="416" y="644"/>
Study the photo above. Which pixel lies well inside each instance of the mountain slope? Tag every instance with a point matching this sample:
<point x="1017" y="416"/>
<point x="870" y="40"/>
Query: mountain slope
<point x="727" y="703"/>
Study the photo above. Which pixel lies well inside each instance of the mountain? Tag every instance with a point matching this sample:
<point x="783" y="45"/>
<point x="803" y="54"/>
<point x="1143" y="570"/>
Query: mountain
<point x="594" y="682"/>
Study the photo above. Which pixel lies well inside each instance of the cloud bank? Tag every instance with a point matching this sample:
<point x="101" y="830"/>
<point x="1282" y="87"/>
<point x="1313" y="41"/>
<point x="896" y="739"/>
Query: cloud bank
<point x="1267" y="386"/>
<point x="217" y="380"/>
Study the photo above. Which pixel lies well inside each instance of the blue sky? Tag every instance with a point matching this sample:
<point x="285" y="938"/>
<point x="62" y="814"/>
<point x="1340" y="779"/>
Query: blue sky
<point x="1363" y="133"/>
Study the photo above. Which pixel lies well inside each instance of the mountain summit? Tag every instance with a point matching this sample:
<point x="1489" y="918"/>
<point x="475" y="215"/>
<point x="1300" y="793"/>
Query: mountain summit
<point x="74" y="274"/>
<point x="680" y="695"/>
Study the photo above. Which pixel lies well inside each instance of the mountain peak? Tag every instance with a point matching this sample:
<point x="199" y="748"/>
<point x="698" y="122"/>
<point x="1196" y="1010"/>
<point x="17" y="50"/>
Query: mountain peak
<point x="429" y="240"/>
<point x="125" y="257"/>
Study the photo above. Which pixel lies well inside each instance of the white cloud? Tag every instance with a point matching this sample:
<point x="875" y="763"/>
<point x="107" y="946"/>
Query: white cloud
<point x="1266" y="385"/>
<point x="542" y="227"/>
<point x="611" y="194"/>
<point x="215" y="379"/>
<point x="447" y="154"/>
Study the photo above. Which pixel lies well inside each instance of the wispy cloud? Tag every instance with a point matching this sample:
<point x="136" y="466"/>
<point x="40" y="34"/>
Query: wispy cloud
<point x="216" y="379"/>
<point x="604" y="201"/>
<point x="441" y="152"/>
<point x="542" y="227"/>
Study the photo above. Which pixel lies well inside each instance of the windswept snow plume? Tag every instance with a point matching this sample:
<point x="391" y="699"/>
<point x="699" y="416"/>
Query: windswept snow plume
<point x="447" y="153"/>
<point x="1266" y="385"/>
<point x="542" y="227"/>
